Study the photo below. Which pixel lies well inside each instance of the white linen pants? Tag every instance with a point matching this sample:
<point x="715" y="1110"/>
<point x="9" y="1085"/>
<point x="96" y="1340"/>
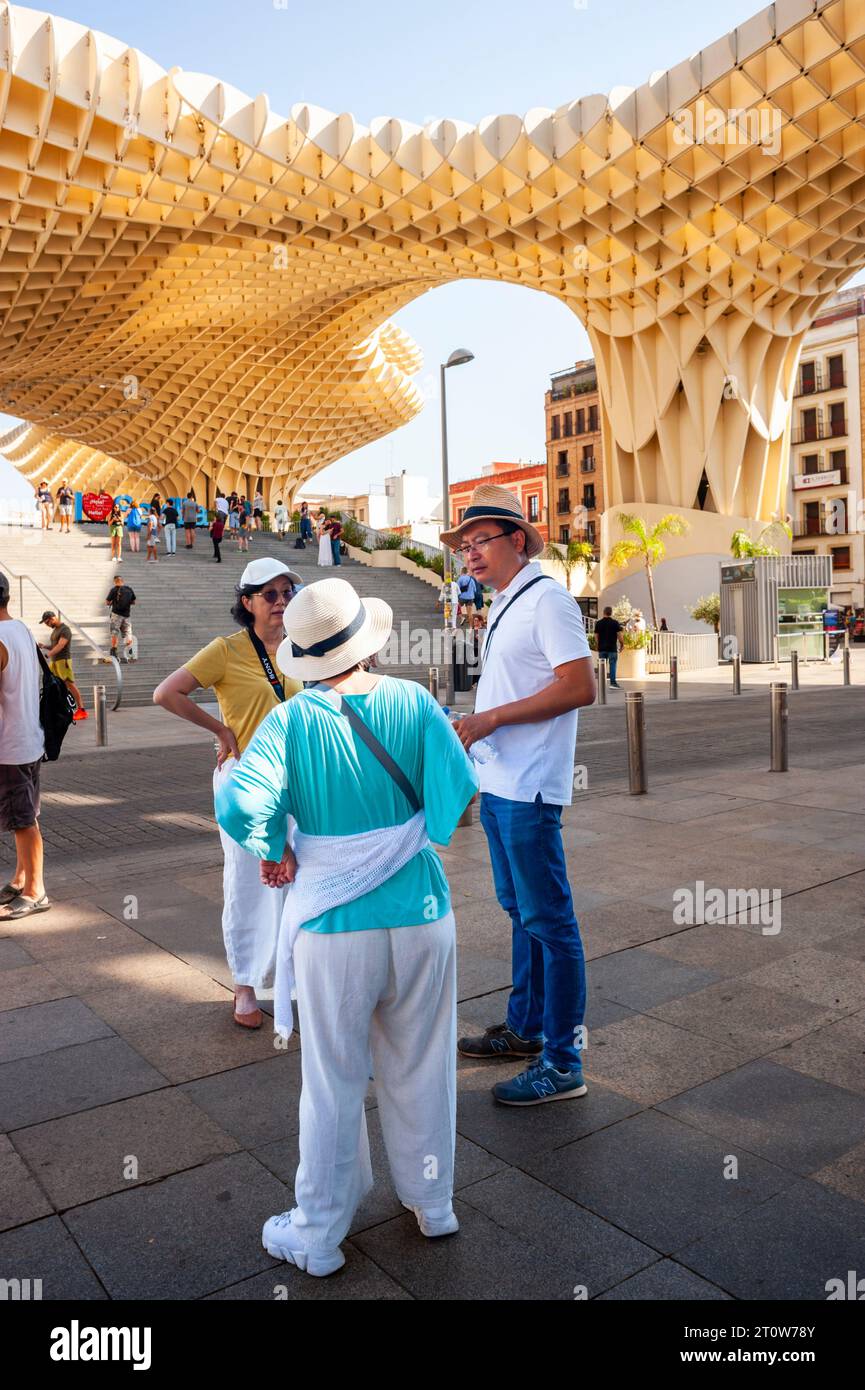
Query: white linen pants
<point x="381" y="1001"/>
<point x="251" y="912"/>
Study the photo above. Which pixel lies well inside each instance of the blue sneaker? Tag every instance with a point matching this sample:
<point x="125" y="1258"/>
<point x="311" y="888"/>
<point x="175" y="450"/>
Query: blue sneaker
<point x="539" y="1083"/>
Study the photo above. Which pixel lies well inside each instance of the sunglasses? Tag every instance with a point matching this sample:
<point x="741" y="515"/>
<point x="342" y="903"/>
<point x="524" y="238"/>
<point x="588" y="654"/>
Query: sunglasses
<point x="271" y="595"/>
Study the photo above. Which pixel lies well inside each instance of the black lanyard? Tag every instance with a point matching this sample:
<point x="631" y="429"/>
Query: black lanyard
<point x="524" y="590"/>
<point x="276" y="683"/>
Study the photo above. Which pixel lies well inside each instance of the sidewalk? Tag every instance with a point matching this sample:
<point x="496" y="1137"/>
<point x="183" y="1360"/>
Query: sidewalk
<point x="146" y="1139"/>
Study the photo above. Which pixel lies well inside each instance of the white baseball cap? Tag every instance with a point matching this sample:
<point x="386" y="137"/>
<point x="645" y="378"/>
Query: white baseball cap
<point x="259" y="571"/>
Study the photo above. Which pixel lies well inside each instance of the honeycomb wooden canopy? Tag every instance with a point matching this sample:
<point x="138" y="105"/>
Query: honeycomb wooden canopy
<point x="191" y="284"/>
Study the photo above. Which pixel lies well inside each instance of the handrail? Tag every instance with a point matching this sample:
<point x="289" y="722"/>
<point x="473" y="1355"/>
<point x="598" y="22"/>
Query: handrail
<point x="71" y="623"/>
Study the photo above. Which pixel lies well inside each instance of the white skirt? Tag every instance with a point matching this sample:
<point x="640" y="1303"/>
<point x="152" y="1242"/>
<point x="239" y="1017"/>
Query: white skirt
<point x="251" y="912"/>
<point x="325" y="550"/>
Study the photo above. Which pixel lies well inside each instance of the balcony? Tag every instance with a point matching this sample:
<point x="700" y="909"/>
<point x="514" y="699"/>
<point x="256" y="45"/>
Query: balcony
<point x="823" y="429"/>
<point x="820" y="477"/>
<point x="562" y="470"/>
<point x="818" y="380"/>
<point x="587" y="465"/>
<point x="821" y="526"/>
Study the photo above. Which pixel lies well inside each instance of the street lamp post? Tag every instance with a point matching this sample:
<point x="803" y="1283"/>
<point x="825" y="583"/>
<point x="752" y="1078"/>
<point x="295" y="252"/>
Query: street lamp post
<point x="456" y="359"/>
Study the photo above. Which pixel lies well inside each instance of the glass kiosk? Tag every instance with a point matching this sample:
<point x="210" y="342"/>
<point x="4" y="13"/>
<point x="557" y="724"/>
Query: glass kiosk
<point x="800" y="622"/>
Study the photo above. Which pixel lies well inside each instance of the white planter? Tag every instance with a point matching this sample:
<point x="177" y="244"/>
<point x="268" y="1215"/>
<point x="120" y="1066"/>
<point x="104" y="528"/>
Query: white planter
<point x="632" y="664"/>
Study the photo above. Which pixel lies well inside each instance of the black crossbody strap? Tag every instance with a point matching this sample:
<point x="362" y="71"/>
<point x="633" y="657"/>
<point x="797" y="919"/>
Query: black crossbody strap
<point x="524" y="590"/>
<point x="379" y="752"/>
<point x="267" y="664"/>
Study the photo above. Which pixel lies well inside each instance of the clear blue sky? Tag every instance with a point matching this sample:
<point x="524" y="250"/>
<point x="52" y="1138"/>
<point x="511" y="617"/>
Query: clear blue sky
<point x="419" y="61"/>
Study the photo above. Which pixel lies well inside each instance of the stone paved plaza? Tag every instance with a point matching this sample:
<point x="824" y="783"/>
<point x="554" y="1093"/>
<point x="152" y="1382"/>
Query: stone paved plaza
<point x="706" y="1043"/>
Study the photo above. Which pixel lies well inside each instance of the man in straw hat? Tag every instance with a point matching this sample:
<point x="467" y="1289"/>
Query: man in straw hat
<point x="536" y="672"/>
<point x="371" y="770"/>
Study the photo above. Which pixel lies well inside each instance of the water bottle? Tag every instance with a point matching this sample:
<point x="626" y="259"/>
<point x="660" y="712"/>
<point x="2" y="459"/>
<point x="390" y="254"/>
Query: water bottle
<point x="481" y="751"/>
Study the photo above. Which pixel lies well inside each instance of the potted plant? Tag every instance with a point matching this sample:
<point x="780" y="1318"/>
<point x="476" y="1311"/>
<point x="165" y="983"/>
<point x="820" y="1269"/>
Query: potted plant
<point x="632" y="658"/>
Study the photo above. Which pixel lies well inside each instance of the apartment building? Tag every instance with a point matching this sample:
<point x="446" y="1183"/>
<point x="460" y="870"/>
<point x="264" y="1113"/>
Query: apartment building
<point x="527" y="481"/>
<point x="574" y="460"/>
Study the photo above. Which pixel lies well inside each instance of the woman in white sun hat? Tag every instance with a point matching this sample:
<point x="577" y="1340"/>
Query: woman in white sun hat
<point x="244" y="671"/>
<point x="372" y="771"/>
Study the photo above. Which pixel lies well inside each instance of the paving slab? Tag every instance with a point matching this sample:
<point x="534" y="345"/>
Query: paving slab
<point x="818" y="976"/>
<point x="640" y="979"/>
<point x="29" y="984"/>
<point x="256" y="1103"/>
<point x="359" y="1279"/>
<point x="648" y="1060"/>
<point x="835" y="1054"/>
<point x="202" y="1042"/>
<point x="790" y="1247"/>
<point x="846" y="1175"/>
<point x="116" y="1147"/>
<point x="72" y="1079"/>
<point x="39" y="1028"/>
<point x="789" y="1119"/>
<point x="746" y="1016"/>
<point x="45" y="1250"/>
<point x="13" y="955"/>
<point x="21" y="1197"/>
<point x="187" y="1236"/>
<point x="665" y="1281"/>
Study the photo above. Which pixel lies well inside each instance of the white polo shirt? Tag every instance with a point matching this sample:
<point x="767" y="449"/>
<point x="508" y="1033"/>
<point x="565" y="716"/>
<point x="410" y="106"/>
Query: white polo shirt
<point x="542" y="630"/>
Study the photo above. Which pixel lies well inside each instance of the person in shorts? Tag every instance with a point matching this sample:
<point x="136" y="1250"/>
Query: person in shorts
<point x="45" y="502"/>
<point x="189" y="516"/>
<point x="115" y="531"/>
<point x="120" y="600"/>
<point x="58" y="654"/>
<point x="21" y="747"/>
<point x="257" y="510"/>
<point x="65" y="504"/>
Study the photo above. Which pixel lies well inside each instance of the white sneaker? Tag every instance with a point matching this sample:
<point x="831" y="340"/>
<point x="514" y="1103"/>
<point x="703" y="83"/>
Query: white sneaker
<point x="283" y="1244"/>
<point x="435" y="1221"/>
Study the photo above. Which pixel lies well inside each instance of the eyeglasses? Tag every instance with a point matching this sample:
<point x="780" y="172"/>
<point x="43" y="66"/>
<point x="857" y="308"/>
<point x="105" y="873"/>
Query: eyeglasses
<point x="479" y="546"/>
<point x="271" y="595"/>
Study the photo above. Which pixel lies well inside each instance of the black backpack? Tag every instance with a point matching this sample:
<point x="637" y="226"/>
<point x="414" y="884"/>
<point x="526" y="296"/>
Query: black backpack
<point x="56" y="708"/>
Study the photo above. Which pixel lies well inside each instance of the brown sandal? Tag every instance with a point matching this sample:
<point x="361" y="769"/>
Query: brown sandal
<point x="250" y="1020"/>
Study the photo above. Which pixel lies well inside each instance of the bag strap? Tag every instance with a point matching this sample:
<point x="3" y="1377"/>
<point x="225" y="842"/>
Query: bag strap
<point x="524" y="590"/>
<point x="379" y="752"/>
<point x="46" y="669"/>
<point x="267" y="665"/>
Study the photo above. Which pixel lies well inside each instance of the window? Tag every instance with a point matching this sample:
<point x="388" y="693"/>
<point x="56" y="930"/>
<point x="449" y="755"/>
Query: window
<point x="810" y="463"/>
<point x="564" y="499"/>
<point x="569" y="423"/>
<point x="808" y="378"/>
<point x="590" y="532"/>
<point x="562" y="464"/>
<point x="534" y="507"/>
<point x="581" y="422"/>
<point x="836" y="373"/>
<point x="840" y="557"/>
<point x="564" y="534"/>
<point x="555" y="430"/>
<point x="593" y="419"/>
<point x="809" y="425"/>
<point x="589" y="496"/>
<point x="837" y="422"/>
<point x="588" y="461"/>
<point x="838" y="459"/>
<point x="460" y="514"/>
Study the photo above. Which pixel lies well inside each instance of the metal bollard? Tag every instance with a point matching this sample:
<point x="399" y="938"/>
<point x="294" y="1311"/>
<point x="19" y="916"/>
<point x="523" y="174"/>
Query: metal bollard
<point x="794" y="669"/>
<point x="637" y="775"/>
<point x="778" y="741"/>
<point x="674" y="678"/>
<point x="602" y="681"/>
<point x="846" y="665"/>
<point x="449" y="669"/>
<point x="434" y="682"/>
<point x="737" y="674"/>
<point x="100" y="709"/>
<point x="776" y="663"/>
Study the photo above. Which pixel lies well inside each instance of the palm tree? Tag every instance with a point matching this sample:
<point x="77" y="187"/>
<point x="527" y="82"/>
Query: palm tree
<point x="743" y="548"/>
<point x="570" y="557"/>
<point x="647" y="545"/>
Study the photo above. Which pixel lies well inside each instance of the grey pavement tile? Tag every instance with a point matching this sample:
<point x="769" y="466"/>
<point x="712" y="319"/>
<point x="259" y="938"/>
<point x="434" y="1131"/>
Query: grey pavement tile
<point x="72" y="1079"/>
<point x="27" y="1032"/>
<point x="846" y="1175"/>
<point x="598" y="1253"/>
<point x="203" y="1041"/>
<point x="12" y="954"/>
<point x="29" y="984"/>
<point x="788" y="1248"/>
<point x="45" y="1250"/>
<point x="97" y="939"/>
<point x="620" y="924"/>
<point x="665" y="1281"/>
<point x="81" y="1157"/>
<point x="516" y="1135"/>
<point x="746" y="1016"/>
<point x="648" y="1060"/>
<point x="639" y="979"/>
<point x="833" y="981"/>
<point x="835" y="1053"/>
<point x="721" y="947"/>
<point x="131" y="966"/>
<point x="790" y="1119"/>
<point x="481" y="1262"/>
<point x="849" y="943"/>
<point x="682" y="1191"/>
<point x="480" y="974"/>
<point x="381" y="1204"/>
<point x="256" y="1103"/>
<point x="21" y="1198"/>
<point x="183" y="1237"/>
<point x="359" y="1279"/>
<point x="176" y="995"/>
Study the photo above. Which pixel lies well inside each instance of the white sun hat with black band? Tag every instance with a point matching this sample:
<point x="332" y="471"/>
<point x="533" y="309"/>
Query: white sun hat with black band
<point x="490" y="502"/>
<point x="329" y="629"/>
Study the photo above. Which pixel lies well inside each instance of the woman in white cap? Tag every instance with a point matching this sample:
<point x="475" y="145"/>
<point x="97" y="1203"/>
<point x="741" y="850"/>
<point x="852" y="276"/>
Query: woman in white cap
<point x="244" y="671"/>
<point x="371" y="771"/>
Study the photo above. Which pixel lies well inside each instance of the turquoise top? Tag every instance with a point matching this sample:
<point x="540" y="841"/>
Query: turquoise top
<point x="305" y="760"/>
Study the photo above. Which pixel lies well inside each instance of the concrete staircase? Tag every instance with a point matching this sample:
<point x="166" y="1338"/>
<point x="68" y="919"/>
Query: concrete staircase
<point x="184" y="601"/>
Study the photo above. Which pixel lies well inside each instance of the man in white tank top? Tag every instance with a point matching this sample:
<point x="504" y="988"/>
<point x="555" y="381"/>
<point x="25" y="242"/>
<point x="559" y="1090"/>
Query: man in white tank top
<point x="21" y="748"/>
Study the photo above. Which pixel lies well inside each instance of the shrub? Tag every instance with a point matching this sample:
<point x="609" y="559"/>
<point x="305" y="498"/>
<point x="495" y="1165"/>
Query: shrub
<point x="411" y="552"/>
<point x="388" y="541"/>
<point x="353" y="534"/>
<point x="636" y="641"/>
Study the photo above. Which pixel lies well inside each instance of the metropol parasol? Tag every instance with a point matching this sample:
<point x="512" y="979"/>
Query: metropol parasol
<point x="197" y="291"/>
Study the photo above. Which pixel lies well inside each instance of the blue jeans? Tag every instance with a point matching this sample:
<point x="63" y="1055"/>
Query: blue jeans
<point x="337" y="558"/>
<point x="305" y="528"/>
<point x="548" y="998"/>
<point x="612" y="660"/>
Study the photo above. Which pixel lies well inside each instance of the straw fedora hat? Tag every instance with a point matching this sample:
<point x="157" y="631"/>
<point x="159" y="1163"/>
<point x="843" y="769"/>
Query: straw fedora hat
<point x="490" y="502"/>
<point x="329" y="629"/>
